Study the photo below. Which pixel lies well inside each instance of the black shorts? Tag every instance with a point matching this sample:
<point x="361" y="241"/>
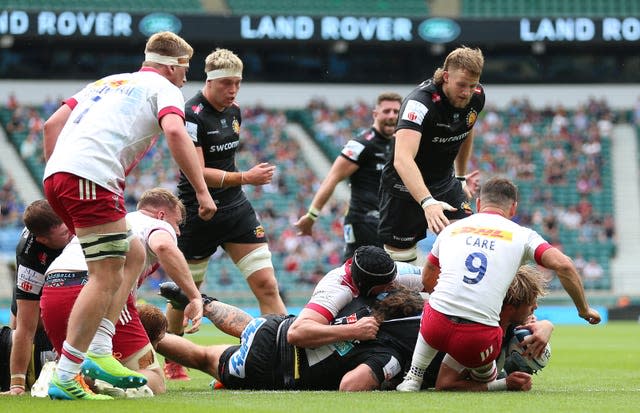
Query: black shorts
<point x="200" y="239"/>
<point x="253" y="364"/>
<point x="357" y="234"/>
<point x="402" y="221"/>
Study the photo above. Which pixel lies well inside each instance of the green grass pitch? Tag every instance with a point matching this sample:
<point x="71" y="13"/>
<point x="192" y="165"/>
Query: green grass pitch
<point x="592" y="369"/>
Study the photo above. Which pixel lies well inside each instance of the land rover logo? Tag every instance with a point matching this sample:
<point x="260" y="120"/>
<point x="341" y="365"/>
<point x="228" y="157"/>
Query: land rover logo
<point x="159" y="22"/>
<point x="439" y="30"/>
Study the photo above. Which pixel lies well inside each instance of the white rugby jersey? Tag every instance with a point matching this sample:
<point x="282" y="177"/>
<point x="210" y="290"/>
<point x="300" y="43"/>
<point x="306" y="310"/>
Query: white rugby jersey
<point x="478" y="258"/>
<point x="336" y="289"/>
<point x="142" y="227"/>
<point x="70" y="260"/>
<point x="113" y="123"/>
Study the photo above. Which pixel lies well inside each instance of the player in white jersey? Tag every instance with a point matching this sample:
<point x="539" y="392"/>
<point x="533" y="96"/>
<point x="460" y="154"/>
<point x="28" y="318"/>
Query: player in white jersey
<point x="91" y="143"/>
<point x="368" y="272"/>
<point x="471" y="265"/>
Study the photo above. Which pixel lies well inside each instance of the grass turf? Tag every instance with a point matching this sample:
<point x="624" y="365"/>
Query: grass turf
<point x="592" y="369"/>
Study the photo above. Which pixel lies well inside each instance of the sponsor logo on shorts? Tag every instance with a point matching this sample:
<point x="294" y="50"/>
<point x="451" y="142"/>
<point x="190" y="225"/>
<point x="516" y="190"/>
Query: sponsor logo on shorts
<point x="237" y="361"/>
<point x="259" y="231"/>
<point x="466" y="207"/>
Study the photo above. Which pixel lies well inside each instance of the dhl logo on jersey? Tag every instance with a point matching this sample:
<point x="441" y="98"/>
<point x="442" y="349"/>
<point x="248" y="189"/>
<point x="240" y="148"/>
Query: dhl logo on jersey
<point x="484" y="232"/>
<point x="112" y="83"/>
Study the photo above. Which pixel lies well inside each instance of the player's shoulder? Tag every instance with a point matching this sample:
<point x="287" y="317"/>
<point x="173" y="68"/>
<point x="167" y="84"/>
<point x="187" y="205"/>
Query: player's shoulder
<point x="24" y="243"/>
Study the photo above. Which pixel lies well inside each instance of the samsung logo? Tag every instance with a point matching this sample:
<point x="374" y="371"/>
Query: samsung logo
<point x="159" y="22"/>
<point x="439" y="30"/>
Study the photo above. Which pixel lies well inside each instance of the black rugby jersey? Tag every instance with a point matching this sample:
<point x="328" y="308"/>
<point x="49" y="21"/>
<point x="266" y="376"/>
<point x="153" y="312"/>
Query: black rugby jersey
<point x="218" y="134"/>
<point x="444" y="128"/>
<point x="32" y="261"/>
<point x="370" y="150"/>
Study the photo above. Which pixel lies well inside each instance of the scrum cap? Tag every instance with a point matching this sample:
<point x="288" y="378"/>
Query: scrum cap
<point x="371" y="266"/>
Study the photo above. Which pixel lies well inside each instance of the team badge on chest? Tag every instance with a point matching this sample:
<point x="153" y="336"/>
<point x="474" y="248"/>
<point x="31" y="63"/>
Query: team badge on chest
<point x="471" y="117"/>
<point x="235" y="125"/>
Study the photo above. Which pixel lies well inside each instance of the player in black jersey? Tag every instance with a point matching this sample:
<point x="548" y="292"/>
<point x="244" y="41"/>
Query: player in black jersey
<point x="42" y="240"/>
<point x="361" y="160"/>
<point x="213" y="121"/>
<point x="433" y="143"/>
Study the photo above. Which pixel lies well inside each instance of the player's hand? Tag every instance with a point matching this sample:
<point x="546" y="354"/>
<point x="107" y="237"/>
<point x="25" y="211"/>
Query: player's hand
<point x="537" y="341"/>
<point x="304" y="225"/>
<point x="435" y="216"/>
<point x="193" y="313"/>
<point x="206" y="207"/>
<point x="365" y="329"/>
<point x="592" y="316"/>
<point x="260" y="174"/>
<point x="471" y="184"/>
<point x="519" y="381"/>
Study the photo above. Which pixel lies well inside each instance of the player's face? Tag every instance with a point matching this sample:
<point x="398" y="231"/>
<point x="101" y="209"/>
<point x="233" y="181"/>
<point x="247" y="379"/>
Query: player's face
<point x="57" y="238"/>
<point x="459" y="86"/>
<point x="173" y="218"/>
<point x="523" y="312"/>
<point x="179" y="75"/>
<point x="223" y="91"/>
<point x="385" y="117"/>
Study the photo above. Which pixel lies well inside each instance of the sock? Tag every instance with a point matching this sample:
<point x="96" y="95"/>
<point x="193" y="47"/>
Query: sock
<point x="70" y="361"/>
<point x="102" y="343"/>
<point x="422" y="357"/>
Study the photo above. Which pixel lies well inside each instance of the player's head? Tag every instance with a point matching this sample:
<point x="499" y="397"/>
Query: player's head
<point x="224" y="75"/>
<point x="522" y="296"/>
<point x="460" y="75"/>
<point x="153" y="321"/>
<point x="163" y="205"/>
<point x="385" y="114"/>
<point x="399" y="302"/>
<point x="169" y="53"/>
<point x="42" y="221"/>
<point x="372" y="267"/>
<point x="498" y="193"/>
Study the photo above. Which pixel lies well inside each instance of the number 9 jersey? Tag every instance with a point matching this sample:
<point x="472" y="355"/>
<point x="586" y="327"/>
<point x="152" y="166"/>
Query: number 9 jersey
<point x="478" y="258"/>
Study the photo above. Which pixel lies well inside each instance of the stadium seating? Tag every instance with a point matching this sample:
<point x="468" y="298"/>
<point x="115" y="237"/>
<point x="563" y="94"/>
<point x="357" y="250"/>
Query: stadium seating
<point x="132" y="6"/>
<point x="414" y="8"/>
<point x="545" y="8"/>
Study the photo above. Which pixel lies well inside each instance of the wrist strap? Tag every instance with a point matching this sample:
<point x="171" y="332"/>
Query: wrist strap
<point x="461" y="178"/>
<point x="428" y="201"/>
<point x="313" y="213"/>
<point x="497" y="385"/>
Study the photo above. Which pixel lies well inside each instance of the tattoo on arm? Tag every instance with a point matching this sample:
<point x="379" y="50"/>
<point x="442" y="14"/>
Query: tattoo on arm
<point x="227" y="318"/>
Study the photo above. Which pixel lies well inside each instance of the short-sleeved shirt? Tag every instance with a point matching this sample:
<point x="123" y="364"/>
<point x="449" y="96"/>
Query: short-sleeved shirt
<point x="32" y="260"/>
<point x="370" y="151"/>
<point x="443" y="129"/>
<point x="218" y="134"/>
<point x="478" y="257"/>
<point x="113" y="123"/>
<point x="336" y="289"/>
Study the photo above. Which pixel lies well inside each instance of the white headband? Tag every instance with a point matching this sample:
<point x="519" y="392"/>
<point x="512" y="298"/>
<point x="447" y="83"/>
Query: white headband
<point x="167" y="60"/>
<point x="218" y="73"/>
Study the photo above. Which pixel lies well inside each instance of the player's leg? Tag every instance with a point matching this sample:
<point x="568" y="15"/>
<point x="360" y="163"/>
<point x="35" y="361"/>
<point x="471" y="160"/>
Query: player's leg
<point x="402" y="225"/>
<point x="254" y="262"/>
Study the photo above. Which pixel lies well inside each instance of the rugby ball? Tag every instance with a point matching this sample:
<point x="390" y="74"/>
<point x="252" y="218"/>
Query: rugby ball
<point x="516" y="361"/>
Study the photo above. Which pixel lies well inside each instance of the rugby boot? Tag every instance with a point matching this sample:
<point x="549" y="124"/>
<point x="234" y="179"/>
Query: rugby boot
<point x="177" y="298"/>
<point x="74" y="389"/>
<point x="409" y="384"/>
<point x="108" y="369"/>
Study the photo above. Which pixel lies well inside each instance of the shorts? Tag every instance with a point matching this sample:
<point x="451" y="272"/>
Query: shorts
<point x="402" y="221"/>
<point x="471" y="344"/>
<point x="200" y="239"/>
<point x="55" y="307"/>
<point x="79" y="209"/>
<point x="252" y="364"/>
<point x="357" y="234"/>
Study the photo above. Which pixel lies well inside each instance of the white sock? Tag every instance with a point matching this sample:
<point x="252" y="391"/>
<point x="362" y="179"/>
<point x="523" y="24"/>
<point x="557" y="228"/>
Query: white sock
<point x="102" y="343"/>
<point x="70" y="361"/>
<point x="422" y="357"/>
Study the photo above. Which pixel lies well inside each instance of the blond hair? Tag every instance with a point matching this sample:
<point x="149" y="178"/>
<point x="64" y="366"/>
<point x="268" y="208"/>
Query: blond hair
<point x="465" y="58"/>
<point x="167" y="44"/>
<point x="223" y="59"/>
<point x="527" y="286"/>
<point x="157" y="198"/>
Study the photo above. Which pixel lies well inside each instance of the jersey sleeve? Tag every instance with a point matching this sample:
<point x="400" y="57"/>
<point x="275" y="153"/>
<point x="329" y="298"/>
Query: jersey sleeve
<point x="413" y="112"/>
<point x="170" y="100"/>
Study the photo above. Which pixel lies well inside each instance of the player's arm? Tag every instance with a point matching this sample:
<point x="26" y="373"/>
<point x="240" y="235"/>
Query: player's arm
<point x="555" y="260"/>
<point x="312" y="329"/>
<point x="52" y="128"/>
<point x="184" y="153"/>
<point x="455" y="377"/>
<point x="471" y="183"/>
<point x="406" y="148"/>
<point x="172" y="260"/>
<point x="341" y="169"/>
<point x="28" y="315"/>
<point x="430" y="274"/>
<point x="537" y="341"/>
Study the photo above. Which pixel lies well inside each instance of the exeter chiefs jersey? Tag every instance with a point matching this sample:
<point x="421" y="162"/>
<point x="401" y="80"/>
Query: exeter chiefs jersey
<point x="218" y="134"/>
<point x="370" y="151"/>
<point x="32" y="261"/>
<point x="443" y="127"/>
